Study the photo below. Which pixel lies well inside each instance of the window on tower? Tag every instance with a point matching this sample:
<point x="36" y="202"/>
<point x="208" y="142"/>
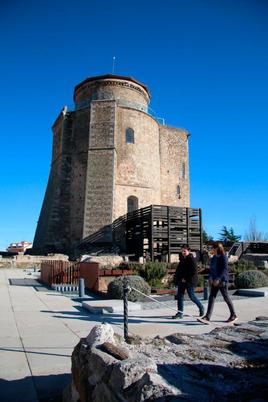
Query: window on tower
<point x="132" y="203"/>
<point x="183" y="170"/>
<point x="178" y="191"/>
<point x="129" y="136"/>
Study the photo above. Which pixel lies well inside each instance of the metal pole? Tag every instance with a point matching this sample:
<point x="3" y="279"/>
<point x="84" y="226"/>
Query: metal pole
<point x="125" y="298"/>
<point x="81" y="287"/>
<point x="168" y="219"/>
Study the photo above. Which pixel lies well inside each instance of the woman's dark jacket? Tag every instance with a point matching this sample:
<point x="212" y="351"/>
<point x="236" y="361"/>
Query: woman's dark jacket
<point x="187" y="269"/>
<point x="219" y="267"/>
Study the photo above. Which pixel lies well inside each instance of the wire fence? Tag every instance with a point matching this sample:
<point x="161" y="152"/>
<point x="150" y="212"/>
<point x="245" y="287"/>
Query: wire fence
<point x="127" y="289"/>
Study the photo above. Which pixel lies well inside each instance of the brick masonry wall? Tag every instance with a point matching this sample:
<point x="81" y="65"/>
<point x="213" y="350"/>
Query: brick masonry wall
<point x="90" y="273"/>
<point x="53" y="229"/>
<point x="80" y="143"/>
<point x="100" y="168"/>
<point x="111" y="89"/>
<point x="173" y="154"/>
<point x="138" y="164"/>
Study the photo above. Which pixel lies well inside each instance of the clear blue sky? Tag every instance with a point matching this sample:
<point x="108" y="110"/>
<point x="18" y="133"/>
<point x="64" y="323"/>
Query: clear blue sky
<point x="204" y="61"/>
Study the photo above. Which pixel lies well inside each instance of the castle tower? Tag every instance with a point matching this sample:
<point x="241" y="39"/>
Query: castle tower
<point x="110" y="156"/>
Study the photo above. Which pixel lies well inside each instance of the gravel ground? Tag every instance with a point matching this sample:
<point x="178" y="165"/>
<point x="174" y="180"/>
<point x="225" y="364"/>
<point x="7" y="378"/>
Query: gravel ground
<point x="171" y="302"/>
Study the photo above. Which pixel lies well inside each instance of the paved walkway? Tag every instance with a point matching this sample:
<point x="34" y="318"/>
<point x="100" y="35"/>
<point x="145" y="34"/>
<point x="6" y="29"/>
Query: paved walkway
<point x="39" y="329"/>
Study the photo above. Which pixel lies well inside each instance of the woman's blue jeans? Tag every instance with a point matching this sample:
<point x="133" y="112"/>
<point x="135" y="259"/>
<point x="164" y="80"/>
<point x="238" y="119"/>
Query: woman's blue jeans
<point x="182" y="286"/>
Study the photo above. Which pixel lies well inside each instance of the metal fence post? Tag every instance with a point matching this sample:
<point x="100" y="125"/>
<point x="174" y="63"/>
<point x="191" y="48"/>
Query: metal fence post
<point x="125" y="298"/>
<point x="205" y="288"/>
<point x="81" y="287"/>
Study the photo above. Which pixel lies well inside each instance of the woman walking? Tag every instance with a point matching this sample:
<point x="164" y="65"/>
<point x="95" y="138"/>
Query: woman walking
<point x="219" y="282"/>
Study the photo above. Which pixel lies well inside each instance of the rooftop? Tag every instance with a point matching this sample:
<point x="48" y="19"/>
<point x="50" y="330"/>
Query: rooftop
<point x="112" y="76"/>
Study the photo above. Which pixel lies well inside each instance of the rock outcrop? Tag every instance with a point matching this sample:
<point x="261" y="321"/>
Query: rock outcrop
<point x="228" y="364"/>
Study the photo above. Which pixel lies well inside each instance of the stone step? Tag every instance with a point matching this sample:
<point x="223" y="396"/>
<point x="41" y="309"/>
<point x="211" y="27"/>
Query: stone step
<point x="258" y="292"/>
<point x="109" y="306"/>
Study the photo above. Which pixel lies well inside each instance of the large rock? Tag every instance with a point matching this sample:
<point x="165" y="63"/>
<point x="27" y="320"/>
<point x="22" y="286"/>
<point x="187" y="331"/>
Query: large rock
<point x="100" y="334"/>
<point x="111" y="260"/>
<point x="229" y="363"/>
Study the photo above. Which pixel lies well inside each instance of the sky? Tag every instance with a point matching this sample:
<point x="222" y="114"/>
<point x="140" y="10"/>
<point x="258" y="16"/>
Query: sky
<point x="205" y="63"/>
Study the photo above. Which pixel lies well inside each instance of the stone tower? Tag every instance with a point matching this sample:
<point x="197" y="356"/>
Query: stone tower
<point x="110" y="156"/>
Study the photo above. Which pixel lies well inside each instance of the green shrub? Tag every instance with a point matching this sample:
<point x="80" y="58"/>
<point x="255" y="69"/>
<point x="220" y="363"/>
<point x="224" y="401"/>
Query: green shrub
<point x="251" y="280"/>
<point x="200" y="283"/>
<point x="241" y="266"/>
<point x="153" y="272"/>
<point x="172" y="265"/>
<point x="115" y="288"/>
<point x="135" y="266"/>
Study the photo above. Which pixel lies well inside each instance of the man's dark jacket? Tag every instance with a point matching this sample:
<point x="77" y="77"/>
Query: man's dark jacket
<point x="187" y="269"/>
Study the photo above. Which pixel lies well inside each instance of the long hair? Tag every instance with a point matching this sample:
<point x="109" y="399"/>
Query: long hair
<point x="218" y="246"/>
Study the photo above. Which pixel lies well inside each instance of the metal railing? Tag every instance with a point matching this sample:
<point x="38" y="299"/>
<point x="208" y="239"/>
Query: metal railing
<point x="127" y="289"/>
<point x="120" y="102"/>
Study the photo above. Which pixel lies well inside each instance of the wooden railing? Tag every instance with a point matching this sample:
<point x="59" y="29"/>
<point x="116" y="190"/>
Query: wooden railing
<point x="60" y="272"/>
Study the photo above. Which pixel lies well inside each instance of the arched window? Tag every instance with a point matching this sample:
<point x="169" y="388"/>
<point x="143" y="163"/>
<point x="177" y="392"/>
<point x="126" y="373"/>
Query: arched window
<point x="183" y="170"/>
<point x="129" y="136"/>
<point x="178" y="191"/>
<point x="132" y="203"/>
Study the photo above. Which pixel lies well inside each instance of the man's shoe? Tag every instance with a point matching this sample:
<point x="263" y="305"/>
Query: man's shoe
<point x="201" y="313"/>
<point x="204" y="320"/>
<point x="231" y="319"/>
<point x="177" y="315"/>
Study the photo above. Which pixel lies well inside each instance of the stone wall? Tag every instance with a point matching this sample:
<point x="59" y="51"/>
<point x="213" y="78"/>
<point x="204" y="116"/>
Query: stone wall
<point x="112" y="89"/>
<point x="100" y="168"/>
<point x="174" y="167"/>
<point x="260" y="260"/>
<point x="30" y="261"/>
<point x="53" y="229"/>
<point x="80" y="141"/>
<point x="138" y="164"/>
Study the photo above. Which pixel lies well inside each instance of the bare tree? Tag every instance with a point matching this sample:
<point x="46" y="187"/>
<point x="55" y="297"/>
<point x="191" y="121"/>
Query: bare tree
<point x="253" y="234"/>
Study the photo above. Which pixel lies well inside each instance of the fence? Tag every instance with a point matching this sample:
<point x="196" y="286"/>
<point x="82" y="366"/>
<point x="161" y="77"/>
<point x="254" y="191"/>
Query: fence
<point x="60" y="272"/>
<point x="155" y="231"/>
<point x="69" y="273"/>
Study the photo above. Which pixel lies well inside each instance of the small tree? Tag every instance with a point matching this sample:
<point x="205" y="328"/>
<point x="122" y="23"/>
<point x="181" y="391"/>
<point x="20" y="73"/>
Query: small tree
<point x="206" y="237"/>
<point x="228" y="235"/>
<point x="232" y="236"/>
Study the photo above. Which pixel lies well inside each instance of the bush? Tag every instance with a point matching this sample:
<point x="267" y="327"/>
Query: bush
<point x="135" y="266"/>
<point x="251" y="280"/>
<point x="172" y="265"/>
<point x="241" y="266"/>
<point x="201" y="280"/>
<point x="115" y="288"/>
<point x="153" y="272"/>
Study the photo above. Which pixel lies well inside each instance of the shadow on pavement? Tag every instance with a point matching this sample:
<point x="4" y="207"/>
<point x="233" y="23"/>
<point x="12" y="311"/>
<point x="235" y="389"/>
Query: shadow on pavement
<point x="115" y="319"/>
<point x="43" y="388"/>
<point x="28" y="282"/>
<point x="29" y="350"/>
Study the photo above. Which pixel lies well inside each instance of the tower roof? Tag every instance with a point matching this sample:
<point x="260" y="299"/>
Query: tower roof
<point x="112" y="76"/>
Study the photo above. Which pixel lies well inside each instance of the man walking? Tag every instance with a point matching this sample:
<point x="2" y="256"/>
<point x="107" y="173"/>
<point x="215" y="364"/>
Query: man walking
<point x="186" y="279"/>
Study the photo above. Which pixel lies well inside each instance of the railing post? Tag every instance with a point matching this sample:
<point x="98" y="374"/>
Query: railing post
<point x="81" y="287"/>
<point x="125" y="298"/>
<point x="205" y="288"/>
